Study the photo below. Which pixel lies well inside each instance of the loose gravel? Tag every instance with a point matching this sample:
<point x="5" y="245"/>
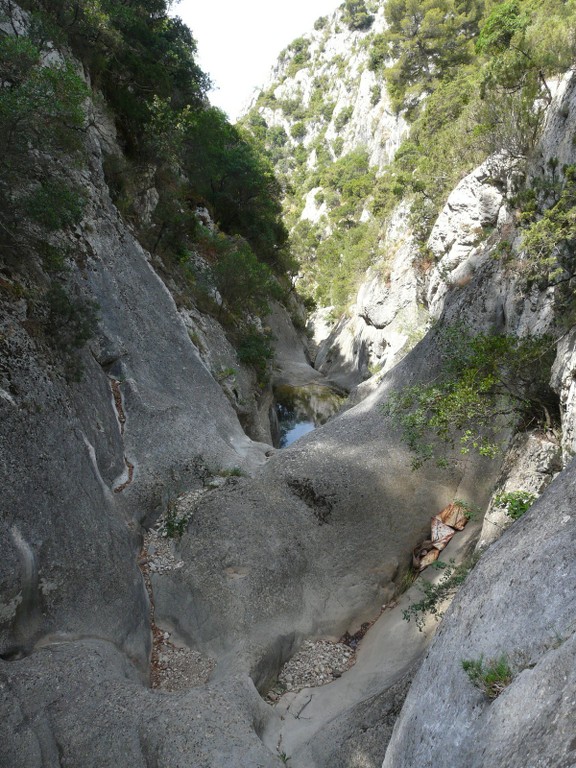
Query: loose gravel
<point x="316" y="663"/>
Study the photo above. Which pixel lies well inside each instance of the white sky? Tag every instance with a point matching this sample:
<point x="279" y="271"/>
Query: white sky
<point x="239" y="40"/>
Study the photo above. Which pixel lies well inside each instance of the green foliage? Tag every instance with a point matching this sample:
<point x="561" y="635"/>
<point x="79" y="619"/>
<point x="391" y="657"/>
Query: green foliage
<point x="434" y="595"/>
<point x="41" y="116"/>
<point x="549" y="242"/>
<point x="69" y="324"/>
<point x="225" y="170"/>
<point x="471" y="511"/>
<point x="341" y="261"/>
<point x="515" y="503"/>
<point x="375" y="94"/>
<point x="486" y="383"/>
<point x="54" y="205"/>
<point x="483" y="75"/>
<point x="428" y="40"/>
<point x="298" y="130"/>
<point x="338" y="146"/>
<point x="506" y="20"/>
<point x="327" y="110"/>
<point x="41" y="106"/>
<point x="174" y="523"/>
<point x="254" y="348"/>
<point x="244" y="283"/>
<point x="355" y="15"/>
<point x="321" y="23"/>
<point x="343" y="117"/>
<point x="134" y="51"/>
<point x="491" y="676"/>
<point x="143" y="61"/>
<point x="299" y="52"/>
<point x="444" y="144"/>
<point x="293" y="108"/>
<point x="526" y="40"/>
<point x="232" y="472"/>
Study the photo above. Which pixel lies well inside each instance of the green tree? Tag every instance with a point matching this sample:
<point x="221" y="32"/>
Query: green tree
<point x="355" y="15"/>
<point x="243" y="282"/>
<point x="134" y="51"/>
<point x="427" y="40"/>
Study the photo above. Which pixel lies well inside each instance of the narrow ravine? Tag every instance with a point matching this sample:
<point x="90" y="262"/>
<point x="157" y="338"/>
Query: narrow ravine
<point x="388" y="653"/>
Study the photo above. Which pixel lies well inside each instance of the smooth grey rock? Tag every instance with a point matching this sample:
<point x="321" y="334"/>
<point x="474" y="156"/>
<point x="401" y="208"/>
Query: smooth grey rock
<point x="69" y="557"/>
<point x="518" y="601"/>
<point x="564" y="383"/>
<point x="292" y="363"/>
<point x="360" y="735"/>
<point x="237" y="381"/>
<point x="83" y="704"/>
<point x="458" y="237"/>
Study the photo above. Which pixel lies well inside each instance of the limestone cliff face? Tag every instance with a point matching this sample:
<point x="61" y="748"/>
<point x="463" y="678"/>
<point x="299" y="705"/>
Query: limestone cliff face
<point x="332" y="59"/>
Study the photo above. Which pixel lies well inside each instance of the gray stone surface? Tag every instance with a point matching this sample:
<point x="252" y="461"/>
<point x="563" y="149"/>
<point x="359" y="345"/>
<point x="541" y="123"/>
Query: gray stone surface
<point x="76" y="466"/>
<point x="387" y="319"/>
<point x="519" y="601"/>
<point x="238" y="381"/>
<point x="530" y="466"/>
<point x="83" y="704"/>
<point x="68" y="561"/>
<point x="310" y="545"/>
<point x="292" y="364"/>
<point x="360" y="735"/>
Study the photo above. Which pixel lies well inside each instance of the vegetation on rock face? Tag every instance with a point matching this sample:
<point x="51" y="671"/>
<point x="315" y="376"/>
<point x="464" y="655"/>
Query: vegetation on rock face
<point x="472" y="78"/>
<point x="356" y="16"/>
<point x="486" y="384"/>
<point x="428" y="41"/>
<point x="491" y="676"/>
<point x="436" y="594"/>
<point x="143" y="62"/>
<point x="514" y="503"/>
<point x="549" y="239"/>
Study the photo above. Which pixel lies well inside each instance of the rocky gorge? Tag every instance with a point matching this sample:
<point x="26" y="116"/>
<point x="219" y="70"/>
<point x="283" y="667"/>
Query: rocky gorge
<point x="162" y="561"/>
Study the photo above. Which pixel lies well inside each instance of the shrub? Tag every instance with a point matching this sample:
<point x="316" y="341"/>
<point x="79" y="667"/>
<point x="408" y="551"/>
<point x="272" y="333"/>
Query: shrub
<point x="434" y="595"/>
<point x="174" y="523"/>
<point x="298" y="130"/>
<point x="486" y="382"/>
<point x="244" y="283"/>
<point x="515" y="503"/>
<point x="254" y="348"/>
<point x="355" y="15"/>
<point x="343" y="117"/>
<point x="300" y="55"/>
